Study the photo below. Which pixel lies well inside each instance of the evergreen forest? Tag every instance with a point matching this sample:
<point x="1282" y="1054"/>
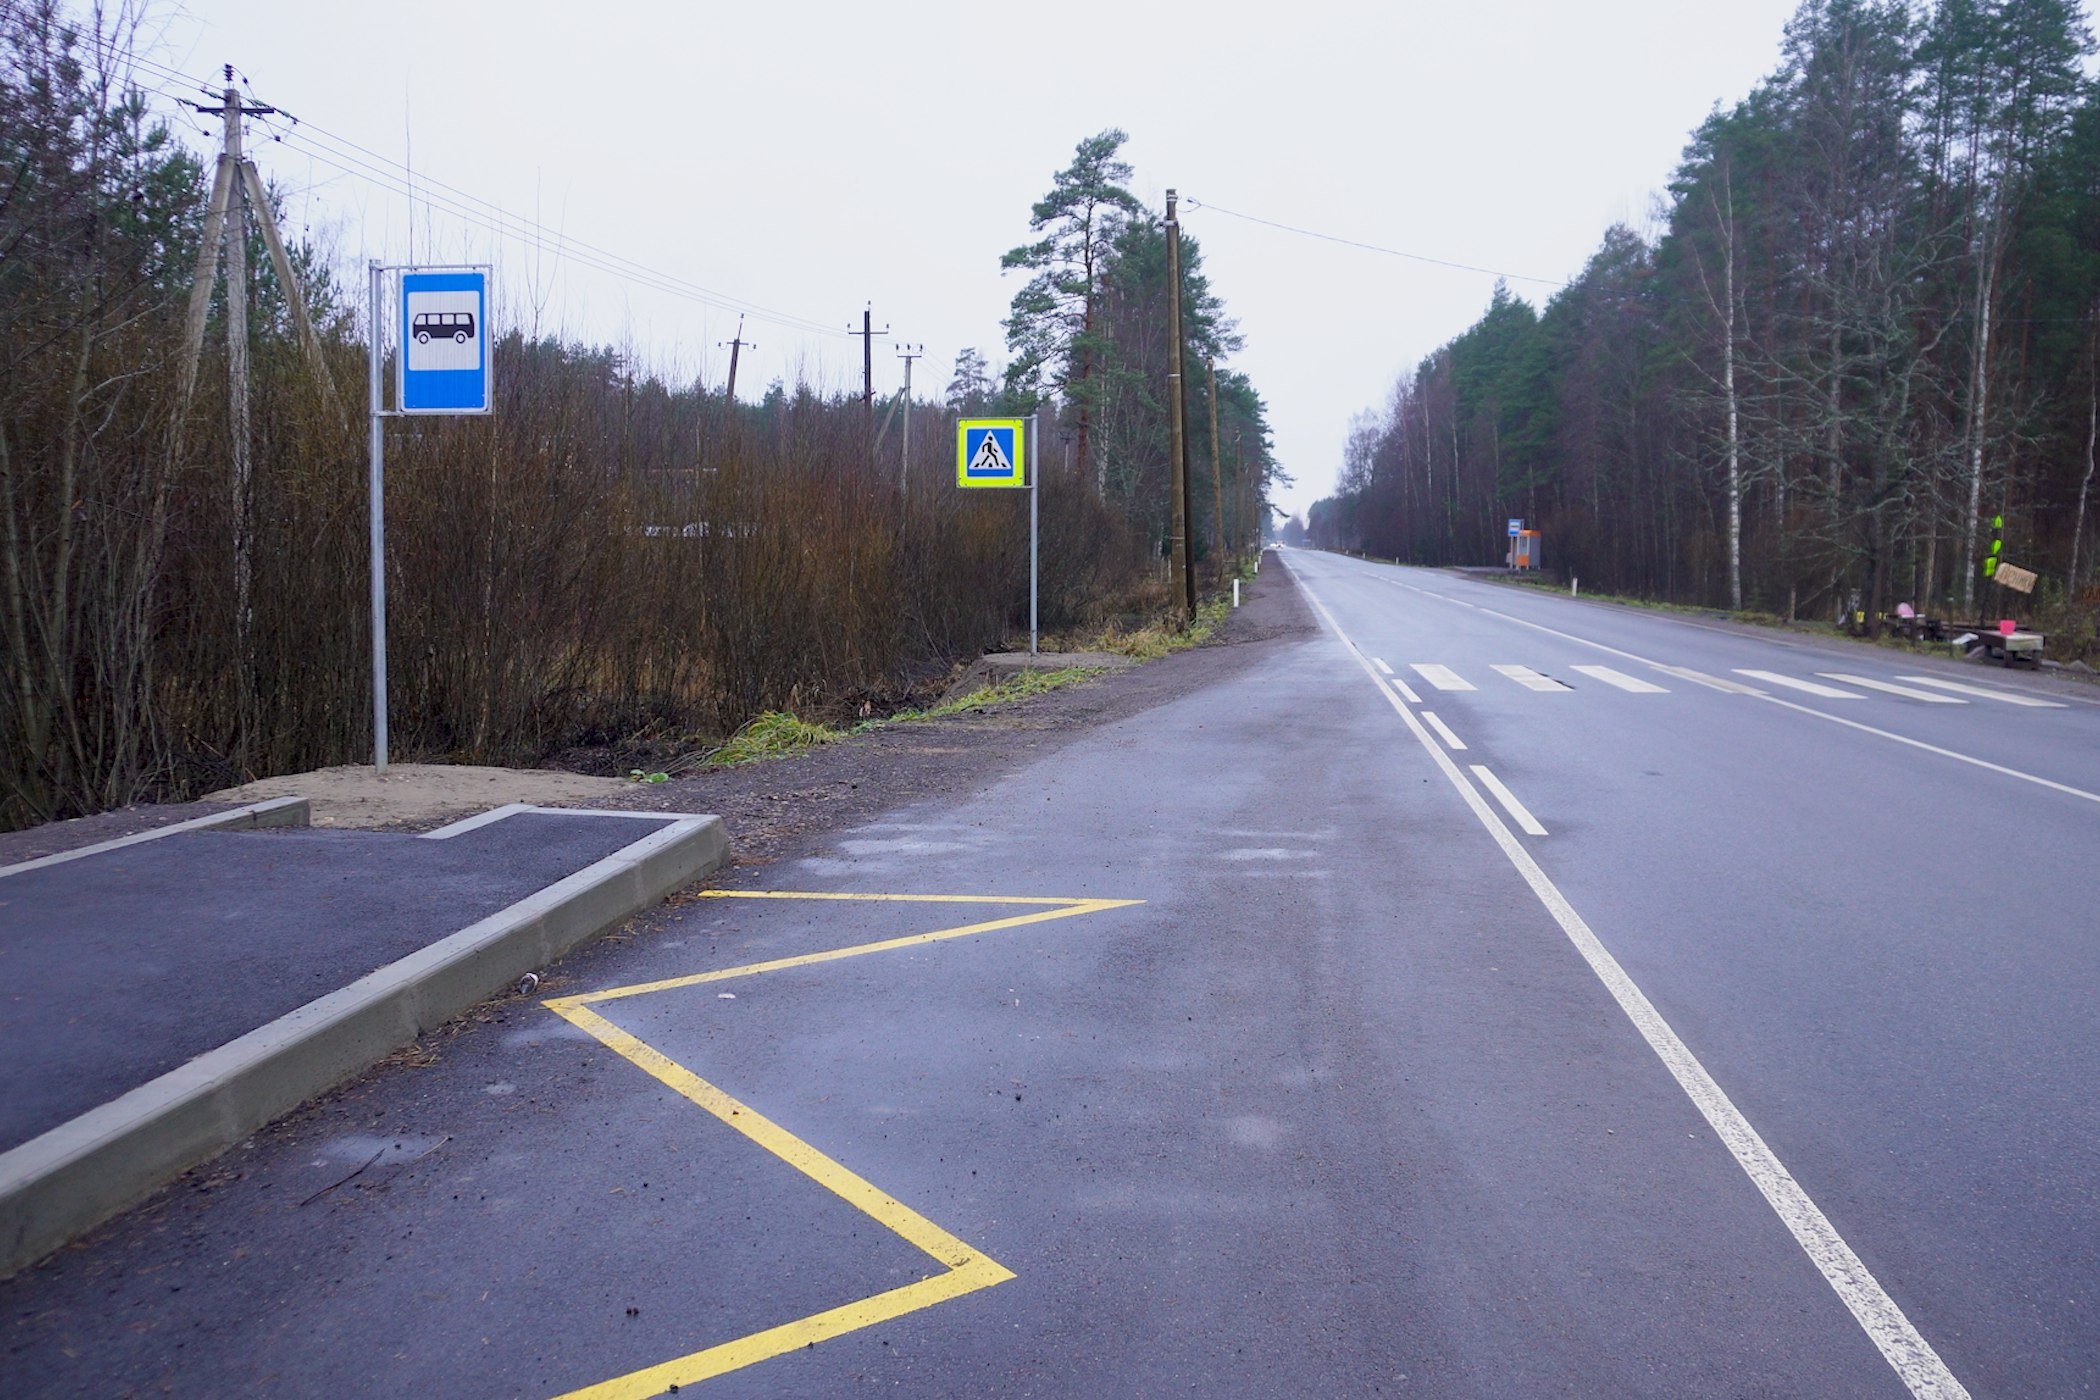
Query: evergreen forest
<point x="1859" y="347"/>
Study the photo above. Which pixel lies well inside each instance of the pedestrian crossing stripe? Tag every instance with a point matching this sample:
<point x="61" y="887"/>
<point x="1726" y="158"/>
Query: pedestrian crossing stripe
<point x="1530" y="679"/>
<point x="1631" y="684"/>
<point x="1445" y="678"/>
<point x="991" y="452"/>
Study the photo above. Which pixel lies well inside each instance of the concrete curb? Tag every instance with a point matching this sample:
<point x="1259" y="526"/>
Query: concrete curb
<point x="79" y="1174"/>
<point x="278" y="811"/>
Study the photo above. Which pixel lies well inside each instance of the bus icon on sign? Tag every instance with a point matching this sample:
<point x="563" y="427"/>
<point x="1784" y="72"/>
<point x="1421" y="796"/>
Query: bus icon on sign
<point x="455" y="326"/>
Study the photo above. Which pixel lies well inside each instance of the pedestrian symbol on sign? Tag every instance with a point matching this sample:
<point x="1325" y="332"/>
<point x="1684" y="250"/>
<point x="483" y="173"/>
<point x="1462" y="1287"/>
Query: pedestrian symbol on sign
<point x="990" y="461"/>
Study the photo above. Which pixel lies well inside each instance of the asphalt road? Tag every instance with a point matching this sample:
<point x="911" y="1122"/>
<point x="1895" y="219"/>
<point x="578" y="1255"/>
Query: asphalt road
<point x="1765" y="1071"/>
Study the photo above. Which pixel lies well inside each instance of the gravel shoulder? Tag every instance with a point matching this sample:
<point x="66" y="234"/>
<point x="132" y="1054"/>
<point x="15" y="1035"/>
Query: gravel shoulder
<point x="778" y="807"/>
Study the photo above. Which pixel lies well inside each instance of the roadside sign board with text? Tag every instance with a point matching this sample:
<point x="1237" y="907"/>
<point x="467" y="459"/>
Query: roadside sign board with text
<point x="1516" y="527"/>
<point x="444" y="347"/>
<point x="991" y="452"/>
<point x="2014" y="577"/>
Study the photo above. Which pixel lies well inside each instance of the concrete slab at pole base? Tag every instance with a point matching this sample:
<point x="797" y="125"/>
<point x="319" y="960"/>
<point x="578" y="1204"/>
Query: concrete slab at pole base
<point x="72" y="1178"/>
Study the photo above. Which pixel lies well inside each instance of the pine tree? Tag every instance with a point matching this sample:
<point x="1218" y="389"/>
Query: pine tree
<point x="1050" y="330"/>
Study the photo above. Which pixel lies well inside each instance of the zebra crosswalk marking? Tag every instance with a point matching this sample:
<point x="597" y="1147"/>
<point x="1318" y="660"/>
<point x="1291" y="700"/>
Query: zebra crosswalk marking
<point x="1443" y="677"/>
<point x="1871" y="684"/>
<point x="1828" y="692"/>
<point x="1530" y="679"/>
<point x="2002" y="697"/>
<point x="1621" y="680"/>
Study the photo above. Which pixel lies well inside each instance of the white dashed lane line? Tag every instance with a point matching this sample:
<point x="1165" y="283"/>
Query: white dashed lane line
<point x="1443" y="731"/>
<point x="1518" y="811"/>
<point x="1879" y="1316"/>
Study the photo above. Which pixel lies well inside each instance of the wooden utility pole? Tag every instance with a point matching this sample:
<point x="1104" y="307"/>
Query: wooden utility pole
<point x="1217" y="475"/>
<point x="734" y="346"/>
<point x="867" y="334"/>
<point x="237" y="397"/>
<point x="1239" y="496"/>
<point x="236" y="188"/>
<point x="1177" y="416"/>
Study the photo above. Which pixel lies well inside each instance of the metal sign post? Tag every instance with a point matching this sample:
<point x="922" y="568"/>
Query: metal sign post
<point x="441" y="367"/>
<point x="1000" y="452"/>
<point x="378" y="486"/>
<point x="1034" y="493"/>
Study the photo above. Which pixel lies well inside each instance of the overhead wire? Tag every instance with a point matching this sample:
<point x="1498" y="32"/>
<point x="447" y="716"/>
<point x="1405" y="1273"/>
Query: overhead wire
<point x="346" y="154"/>
<point x="352" y="159"/>
<point x="1194" y="203"/>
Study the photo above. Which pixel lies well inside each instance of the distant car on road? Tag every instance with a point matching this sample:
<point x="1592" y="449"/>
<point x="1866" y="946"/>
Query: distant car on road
<point x="456" y="325"/>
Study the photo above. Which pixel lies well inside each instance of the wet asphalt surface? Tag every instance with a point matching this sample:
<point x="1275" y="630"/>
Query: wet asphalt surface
<point x="122" y="965"/>
<point x="1336" y="1110"/>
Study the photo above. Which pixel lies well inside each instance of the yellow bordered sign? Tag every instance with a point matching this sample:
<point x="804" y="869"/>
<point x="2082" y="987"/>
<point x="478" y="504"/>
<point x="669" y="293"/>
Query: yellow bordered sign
<point x="991" y="452"/>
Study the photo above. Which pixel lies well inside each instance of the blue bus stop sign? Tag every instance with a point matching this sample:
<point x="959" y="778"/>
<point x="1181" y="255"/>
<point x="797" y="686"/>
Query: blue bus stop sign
<point x="444" y="350"/>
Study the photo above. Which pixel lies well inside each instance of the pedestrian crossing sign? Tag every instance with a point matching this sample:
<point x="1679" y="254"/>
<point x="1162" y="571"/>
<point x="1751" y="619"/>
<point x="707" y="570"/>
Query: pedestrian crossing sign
<point x="990" y="451"/>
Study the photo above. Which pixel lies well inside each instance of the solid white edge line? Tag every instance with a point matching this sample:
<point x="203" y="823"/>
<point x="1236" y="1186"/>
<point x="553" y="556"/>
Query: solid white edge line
<point x="2049" y="783"/>
<point x="1508" y="800"/>
<point x="1443" y="730"/>
<point x="1402" y="687"/>
<point x="1900" y="1343"/>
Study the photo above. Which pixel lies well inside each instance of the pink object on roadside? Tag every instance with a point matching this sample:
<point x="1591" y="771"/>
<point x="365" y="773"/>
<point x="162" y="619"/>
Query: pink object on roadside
<point x="2006" y="627"/>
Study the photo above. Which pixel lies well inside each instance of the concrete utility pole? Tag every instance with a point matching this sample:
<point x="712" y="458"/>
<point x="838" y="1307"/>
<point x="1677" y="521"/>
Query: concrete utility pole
<point x="867" y="334"/>
<point x="1177" y="417"/>
<point x="734" y="346"/>
<point x="907" y="353"/>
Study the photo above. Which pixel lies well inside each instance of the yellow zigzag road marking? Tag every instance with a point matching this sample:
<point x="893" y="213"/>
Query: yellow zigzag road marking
<point x="967" y="1269"/>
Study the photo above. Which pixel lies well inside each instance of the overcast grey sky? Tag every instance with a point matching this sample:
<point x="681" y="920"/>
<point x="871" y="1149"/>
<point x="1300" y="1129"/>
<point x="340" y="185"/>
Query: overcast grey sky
<point x="813" y="157"/>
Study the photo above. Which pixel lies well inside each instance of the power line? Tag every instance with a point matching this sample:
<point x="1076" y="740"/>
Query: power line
<point x="565" y="243"/>
<point x="350" y="158"/>
<point x="1373" y="247"/>
<point x="506" y="225"/>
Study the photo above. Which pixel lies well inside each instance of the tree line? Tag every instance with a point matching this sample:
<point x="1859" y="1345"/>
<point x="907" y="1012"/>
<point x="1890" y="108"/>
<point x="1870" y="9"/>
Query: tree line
<point x="1862" y="346"/>
<point x="611" y="555"/>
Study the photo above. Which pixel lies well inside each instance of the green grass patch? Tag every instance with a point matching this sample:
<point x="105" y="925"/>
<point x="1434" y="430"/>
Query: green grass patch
<point x="778" y="734"/>
<point x="1163" y="639"/>
<point x="774" y="734"/>
<point x="1021" y="687"/>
